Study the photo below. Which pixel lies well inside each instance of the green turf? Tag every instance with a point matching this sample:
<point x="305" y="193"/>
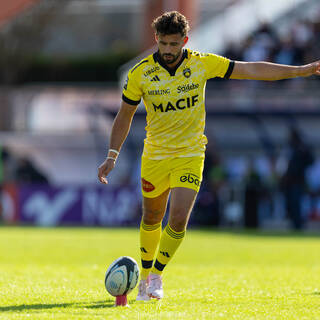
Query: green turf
<point x="59" y="274"/>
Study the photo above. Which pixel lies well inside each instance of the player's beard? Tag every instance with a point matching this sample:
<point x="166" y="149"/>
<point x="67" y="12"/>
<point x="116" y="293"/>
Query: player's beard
<point x="169" y="58"/>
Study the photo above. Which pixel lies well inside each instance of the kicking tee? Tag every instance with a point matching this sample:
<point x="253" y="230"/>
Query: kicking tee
<point x="174" y="101"/>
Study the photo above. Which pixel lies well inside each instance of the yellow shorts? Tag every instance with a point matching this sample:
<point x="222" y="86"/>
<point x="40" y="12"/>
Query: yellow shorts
<point x="159" y="175"/>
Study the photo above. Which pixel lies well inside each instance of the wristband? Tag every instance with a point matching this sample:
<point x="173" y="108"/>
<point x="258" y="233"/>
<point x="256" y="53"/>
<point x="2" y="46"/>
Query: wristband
<point x="112" y="156"/>
<point x="115" y="151"/>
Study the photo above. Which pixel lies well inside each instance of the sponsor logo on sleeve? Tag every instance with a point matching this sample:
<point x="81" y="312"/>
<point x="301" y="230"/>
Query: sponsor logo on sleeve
<point x="125" y="87"/>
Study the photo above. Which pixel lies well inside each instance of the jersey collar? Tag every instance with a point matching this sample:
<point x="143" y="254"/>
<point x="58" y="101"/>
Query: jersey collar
<point x="172" y="71"/>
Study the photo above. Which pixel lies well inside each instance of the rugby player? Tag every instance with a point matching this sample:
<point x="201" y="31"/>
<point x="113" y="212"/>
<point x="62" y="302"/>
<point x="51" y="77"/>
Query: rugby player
<point x="171" y="83"/>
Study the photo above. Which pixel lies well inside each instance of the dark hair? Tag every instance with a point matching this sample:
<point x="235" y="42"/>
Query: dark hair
<point x="171" y="23"/>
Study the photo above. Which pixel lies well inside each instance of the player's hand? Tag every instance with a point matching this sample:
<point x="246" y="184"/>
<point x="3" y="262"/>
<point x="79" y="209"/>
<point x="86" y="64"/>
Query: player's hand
<point x="317" y="72"/>
<point x="312" y="69"/>
<point x="104" y="170"/>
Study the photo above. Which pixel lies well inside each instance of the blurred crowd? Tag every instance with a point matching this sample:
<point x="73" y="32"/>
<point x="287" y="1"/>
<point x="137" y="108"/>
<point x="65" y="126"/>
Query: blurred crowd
<point x="271" y="186"/>
<point x="249" y="191"/>
<point x="299" y="45"/>
<point x="19" y="170"/>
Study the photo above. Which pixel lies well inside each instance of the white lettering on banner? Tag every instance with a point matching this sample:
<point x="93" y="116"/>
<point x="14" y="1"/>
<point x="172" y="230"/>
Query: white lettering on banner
<point x="90" y="202"/>
<point x="116" y="208"/>
<point x="126" y="205"/>
<point x="107" y="204"/>
<point x="48" y="212"/>
<point x="109" y="208"/>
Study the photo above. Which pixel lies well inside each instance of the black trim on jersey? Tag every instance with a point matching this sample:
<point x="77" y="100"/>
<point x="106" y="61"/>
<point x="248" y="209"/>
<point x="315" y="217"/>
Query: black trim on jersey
<point x="129" y="101"/>
<point x="229" y="71"/>
<point x="172" y="71"/>
<point x="142" y="62"/>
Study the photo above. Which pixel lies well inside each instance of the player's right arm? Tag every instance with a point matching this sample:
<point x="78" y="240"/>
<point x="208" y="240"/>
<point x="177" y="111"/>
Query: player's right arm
<point x="120" y="129"/>
<point x="131" y="97"/>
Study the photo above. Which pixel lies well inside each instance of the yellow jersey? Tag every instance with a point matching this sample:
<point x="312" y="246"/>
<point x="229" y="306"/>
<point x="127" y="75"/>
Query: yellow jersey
<point x="174" y="101"/>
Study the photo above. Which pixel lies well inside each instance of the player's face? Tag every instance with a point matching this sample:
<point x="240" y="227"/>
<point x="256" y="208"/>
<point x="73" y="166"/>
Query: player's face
<point x="170" y="47"/>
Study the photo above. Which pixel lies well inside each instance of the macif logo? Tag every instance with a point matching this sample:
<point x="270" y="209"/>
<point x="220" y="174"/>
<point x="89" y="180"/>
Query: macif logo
<point x="178" y="105"/>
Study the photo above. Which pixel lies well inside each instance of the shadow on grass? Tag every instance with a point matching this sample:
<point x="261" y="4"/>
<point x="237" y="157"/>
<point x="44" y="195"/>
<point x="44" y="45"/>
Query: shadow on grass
<point x="45" y="306"/>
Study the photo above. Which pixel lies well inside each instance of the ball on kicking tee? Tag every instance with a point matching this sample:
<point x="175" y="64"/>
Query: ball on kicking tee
<point x="122" y="276"/>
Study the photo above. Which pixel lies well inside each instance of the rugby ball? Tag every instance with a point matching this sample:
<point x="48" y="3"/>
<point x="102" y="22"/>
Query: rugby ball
<point x="122" y="276"/>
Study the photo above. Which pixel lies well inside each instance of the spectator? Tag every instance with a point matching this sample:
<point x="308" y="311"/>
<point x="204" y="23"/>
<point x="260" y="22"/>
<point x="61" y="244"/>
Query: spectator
<point x="28" y="173"/>
<point x="4" y="156"/>
<point x="287" y="52"/>
<point x="293" y="180"/>
<point x="252" y="194"/>
<point x="209" y="203"/>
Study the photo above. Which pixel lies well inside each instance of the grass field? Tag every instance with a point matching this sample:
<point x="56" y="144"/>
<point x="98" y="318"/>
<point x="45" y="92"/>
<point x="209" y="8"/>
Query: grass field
<point x="59" y="274"/>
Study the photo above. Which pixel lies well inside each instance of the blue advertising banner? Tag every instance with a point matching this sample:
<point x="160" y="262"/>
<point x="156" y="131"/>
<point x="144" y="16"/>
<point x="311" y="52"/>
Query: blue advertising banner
<point x="92" y="206"/>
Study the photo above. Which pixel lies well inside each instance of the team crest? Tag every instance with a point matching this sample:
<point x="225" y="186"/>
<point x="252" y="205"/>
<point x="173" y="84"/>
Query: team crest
<point x="187" y="72"/>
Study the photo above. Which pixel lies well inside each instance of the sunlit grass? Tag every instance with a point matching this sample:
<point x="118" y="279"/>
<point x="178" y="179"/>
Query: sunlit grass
<point x="59" y="274"/>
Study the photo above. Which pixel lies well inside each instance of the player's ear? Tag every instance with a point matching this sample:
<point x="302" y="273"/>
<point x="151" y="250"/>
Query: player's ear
<point x="156" y="37"/>
<point x="185" y="40"/>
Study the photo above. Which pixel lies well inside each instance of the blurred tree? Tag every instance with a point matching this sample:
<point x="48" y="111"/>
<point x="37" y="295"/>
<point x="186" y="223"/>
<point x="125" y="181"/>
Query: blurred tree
<point x="21" y="38"/>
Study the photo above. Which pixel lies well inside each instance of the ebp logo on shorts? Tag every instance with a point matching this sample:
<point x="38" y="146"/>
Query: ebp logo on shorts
<point x="147" y="186"/>
<point x="190" y="178"/>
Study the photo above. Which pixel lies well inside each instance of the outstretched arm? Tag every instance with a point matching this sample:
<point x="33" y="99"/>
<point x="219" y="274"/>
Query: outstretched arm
<point x="271" y="71"/>
<point x="120" y="129"/>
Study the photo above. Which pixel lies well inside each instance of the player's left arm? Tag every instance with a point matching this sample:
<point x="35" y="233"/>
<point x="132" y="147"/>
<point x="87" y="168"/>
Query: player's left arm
<point x="271" y="71"/>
